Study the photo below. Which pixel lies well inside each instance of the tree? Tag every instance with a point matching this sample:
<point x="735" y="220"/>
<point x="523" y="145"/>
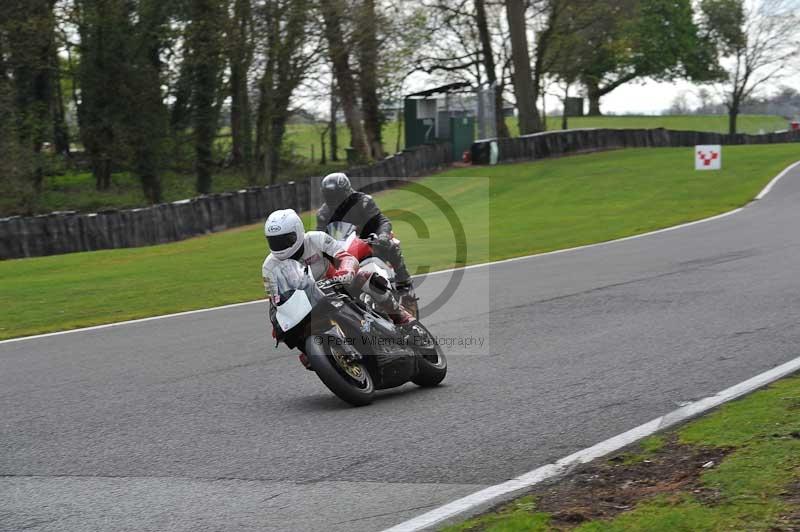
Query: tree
<point x="240" y="54"/>
<point x="560" y="47"/>
<point x="367" y="45"/>
<point x="145" y="130"/>
<point x="16" y="157"/>
<point x="121" y="111"/>
<point x="204" y="41"/>
<point x="103" y="27"/>
<point x="288" y="56"/>
<point x="634" y="39"/>
<point x="487" y="55"/>
<point x="755" y="44"/>
<point x="31" y="26"/>
<point x="679" y="105"/>
<point x="333" y="127"/>
<point x="524" y="88"/>
<point x="333" y="13"/>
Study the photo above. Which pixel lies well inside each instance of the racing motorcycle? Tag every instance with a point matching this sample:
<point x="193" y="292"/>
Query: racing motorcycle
<point x="353" y="348"/>
<point x="362" y="249"/>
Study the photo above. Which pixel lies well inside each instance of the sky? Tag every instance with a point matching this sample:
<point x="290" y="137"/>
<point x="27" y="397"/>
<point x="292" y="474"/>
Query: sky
<point x="653" y="97"/>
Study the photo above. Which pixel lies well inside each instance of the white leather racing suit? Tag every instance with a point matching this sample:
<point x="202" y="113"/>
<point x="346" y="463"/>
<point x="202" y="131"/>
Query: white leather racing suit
<point x="320" y="252"/>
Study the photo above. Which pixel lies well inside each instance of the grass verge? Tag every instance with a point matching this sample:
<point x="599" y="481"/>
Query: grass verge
<point x="76" y="191"/>
<point x="737" y="468"/>
<point x="506" y="211"/>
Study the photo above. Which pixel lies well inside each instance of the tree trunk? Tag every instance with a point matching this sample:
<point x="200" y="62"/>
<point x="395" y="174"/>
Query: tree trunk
<point x="564" y="114"/>
<point x="241" y="57"/>
<point x="204" y="43"/>
<point x="277" y="131"/>
<point x="333" y="13"/>
<point x="101" y="168"/>
<point x="733" y="116"/>
<point x="60" y="129"/>
<point x="368" y="81"/>
<point x="334" y="133"/>
<point x="593" y="94"/>
<point x="148" y="119"/>
<point x="489" y="66"/>
<point x="524" y="89"/>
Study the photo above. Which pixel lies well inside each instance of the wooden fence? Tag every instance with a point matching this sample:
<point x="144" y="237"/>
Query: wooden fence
<point x="68" y="232"/>
<point x="556" y="143"/>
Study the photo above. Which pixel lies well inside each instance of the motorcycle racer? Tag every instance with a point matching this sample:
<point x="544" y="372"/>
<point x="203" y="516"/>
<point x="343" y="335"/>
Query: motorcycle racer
<point x="325" y="258"/>
<point x="342" y="203"/>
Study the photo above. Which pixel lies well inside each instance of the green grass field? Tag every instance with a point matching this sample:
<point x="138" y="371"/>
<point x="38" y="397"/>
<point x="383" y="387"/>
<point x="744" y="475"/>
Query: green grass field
<point x="717" y="123"/>
<point x="530" y="208"/>
<point x="303" y="136"/>
<point x="76" y="191"/>
<point x="750" y="489"/>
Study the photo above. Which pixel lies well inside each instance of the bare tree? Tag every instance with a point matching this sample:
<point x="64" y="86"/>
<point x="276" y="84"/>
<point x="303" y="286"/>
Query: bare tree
<point x="287" y="55"/>
<point x="487" y="55"/>
<point x="333" y="13"/>
<point x="367" y="45"/>
<point x="757" y="43"/>
<point x="524" y="88"/>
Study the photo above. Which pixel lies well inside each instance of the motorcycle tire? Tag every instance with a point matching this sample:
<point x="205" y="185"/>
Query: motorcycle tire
<point x="432" y="362"/>
<point x="347" y="388"/>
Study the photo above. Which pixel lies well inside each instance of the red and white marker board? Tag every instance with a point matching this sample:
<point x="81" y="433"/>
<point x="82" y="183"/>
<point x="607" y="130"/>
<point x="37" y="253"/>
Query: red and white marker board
<point x="708" y="157"/>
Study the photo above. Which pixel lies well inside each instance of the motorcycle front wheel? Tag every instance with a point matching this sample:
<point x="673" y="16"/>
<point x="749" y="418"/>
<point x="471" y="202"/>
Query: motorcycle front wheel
<point x="347" y="378"/>
<point x="432" y="362"/>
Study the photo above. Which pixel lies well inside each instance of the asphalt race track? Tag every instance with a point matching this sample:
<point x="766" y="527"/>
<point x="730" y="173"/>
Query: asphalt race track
<point x="197" y="423"/>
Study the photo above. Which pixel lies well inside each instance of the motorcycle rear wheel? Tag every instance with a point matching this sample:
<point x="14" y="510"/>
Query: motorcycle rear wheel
<point x="349" y="381"/>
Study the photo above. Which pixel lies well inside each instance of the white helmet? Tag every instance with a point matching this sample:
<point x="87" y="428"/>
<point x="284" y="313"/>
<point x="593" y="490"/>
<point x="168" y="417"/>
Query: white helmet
<point x="285" y="233"/>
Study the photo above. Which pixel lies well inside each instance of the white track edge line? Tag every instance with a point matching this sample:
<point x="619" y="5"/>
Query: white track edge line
<point x="777" y="178"/>
<point x="549" y="471"/>
<point x="761" y="195"/>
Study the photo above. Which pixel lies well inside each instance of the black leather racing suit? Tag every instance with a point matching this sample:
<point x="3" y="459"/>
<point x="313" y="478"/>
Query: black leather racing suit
<point x="360" y="210"/>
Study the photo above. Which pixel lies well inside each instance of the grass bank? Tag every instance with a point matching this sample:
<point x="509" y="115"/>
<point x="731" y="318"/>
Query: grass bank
<point x="76" y="191"/>
<point x="506" y="211"/>
<point x="735" y="469"/>
<point x="717" y="123"/>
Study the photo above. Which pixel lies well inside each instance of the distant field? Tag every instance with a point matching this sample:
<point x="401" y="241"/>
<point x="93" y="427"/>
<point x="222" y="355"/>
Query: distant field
<point x="716" y="123"/>
<point x="532" y="208"/>
<point x="303" y="136"/>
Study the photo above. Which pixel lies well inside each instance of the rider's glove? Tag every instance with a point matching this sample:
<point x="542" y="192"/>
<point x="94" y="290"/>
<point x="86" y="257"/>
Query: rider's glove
<point x="382" y="240"/>
<point x="343" y="276"/>
<point x="347" y="267"/>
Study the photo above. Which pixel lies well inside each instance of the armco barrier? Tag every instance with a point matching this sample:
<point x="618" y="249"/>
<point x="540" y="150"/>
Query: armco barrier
<point x="68" y="232"/>
<point x="556" y="143"/>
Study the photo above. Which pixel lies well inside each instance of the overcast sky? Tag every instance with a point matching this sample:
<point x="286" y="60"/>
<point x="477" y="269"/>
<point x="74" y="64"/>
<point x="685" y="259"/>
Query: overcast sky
<point x="652" y="97"/>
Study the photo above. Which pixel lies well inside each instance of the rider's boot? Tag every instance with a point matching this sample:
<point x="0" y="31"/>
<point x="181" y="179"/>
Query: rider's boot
<point x="396" y="312"/>
<point x="377" y="287"/>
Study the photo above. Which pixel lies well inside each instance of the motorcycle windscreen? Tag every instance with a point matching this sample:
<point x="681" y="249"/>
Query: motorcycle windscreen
<point x="376" y="265"/>
<point x="293" y="310"/>
<point x="297" y="293"/>
<point x="341" y="231"/>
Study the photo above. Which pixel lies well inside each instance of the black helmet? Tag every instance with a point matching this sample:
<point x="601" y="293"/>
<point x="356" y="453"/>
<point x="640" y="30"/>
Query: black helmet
<point x="335" y="189"/>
